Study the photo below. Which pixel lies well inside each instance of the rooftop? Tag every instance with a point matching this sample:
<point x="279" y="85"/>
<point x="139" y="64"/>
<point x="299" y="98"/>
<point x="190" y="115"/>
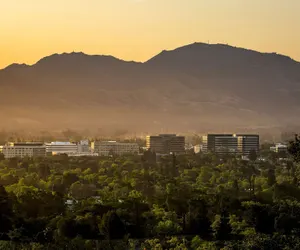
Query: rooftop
<point x="60" y="143"/>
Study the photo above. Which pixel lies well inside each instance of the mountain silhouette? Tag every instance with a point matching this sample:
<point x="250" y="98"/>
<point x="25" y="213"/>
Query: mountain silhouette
<point x="194" y="87"/>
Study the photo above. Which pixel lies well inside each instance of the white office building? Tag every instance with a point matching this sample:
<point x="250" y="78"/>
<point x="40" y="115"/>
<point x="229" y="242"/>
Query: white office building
<point x="78" y="154"/>
<point x="61" y="148"/>
<point x="279" y="148"/>
<point x="106" y="148"/>
<point x="23" y="149"/>
<point x="84" y="147"/>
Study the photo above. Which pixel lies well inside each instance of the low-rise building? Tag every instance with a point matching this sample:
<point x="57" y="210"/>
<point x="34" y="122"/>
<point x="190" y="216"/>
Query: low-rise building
<point x="83" y="146"/>
<point x="106" y="148"/>
<point x="279" y="148"/>
<point x="61" y="148"/>
<point x="23" y="149"/>
<point x="77" y="154"/>
<point x="55" y="148"/>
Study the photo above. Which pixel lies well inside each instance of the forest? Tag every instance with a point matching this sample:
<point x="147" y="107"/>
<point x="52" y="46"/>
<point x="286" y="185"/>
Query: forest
<point x="191" y="201"/>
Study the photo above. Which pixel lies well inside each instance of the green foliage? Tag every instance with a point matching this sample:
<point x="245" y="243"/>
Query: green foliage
<point x="179" y="202"/>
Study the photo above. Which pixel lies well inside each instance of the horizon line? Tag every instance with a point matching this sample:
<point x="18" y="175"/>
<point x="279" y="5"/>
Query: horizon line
<point x="142" y="62"/>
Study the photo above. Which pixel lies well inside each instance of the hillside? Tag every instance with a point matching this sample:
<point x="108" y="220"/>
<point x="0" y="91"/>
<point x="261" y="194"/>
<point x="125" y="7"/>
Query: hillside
<point x="195" y="87"/>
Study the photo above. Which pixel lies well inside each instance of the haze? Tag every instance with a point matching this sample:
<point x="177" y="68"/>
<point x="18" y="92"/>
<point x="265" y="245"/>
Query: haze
<point x="139" y="29"/>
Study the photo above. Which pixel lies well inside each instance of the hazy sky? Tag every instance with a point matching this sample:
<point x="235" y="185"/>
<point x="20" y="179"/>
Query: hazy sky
<point x="139" y="29"/>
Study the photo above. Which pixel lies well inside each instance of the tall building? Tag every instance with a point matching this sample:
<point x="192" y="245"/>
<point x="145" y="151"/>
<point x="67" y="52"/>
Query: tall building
<point x="23" y="149"/>
<point x="106" y="148"/>
<point x="166" y="143"/>
<point x="230" y="143"/>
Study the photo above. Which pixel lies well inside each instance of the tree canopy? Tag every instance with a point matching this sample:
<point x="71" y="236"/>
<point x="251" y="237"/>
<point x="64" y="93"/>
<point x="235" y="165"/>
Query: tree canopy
<point x="191" y="201"/>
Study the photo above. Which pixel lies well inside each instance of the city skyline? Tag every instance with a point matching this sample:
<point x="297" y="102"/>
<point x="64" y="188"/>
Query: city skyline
<point x="139" y="29"/>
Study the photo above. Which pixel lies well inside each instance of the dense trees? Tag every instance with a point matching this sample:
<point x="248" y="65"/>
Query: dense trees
<point x="176" y="202"/>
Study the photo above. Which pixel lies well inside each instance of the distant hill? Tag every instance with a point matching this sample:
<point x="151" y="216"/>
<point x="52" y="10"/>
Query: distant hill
<point x="194" y="87"/>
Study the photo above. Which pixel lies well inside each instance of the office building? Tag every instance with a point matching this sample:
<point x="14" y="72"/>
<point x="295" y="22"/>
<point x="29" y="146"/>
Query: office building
<point x="220" y="143"/>
<point x="279" y="148"/>
<point x="248" y="143"/>
<point x="166" y="144"/>
<point x="23" y="149"/>
<point x="83" y="146"/>
<point x="106" y="148"/>
<point x="68" y="148"/>
<point x="61" y="148"/>
<point x="198" y="148"/>
<point x="77" y="154"/>
<point x="230" y="143"/>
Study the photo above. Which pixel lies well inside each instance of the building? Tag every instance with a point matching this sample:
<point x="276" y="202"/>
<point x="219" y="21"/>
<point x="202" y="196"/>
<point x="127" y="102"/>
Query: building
<point x="23" y="149"/>
<point x="220" y="143"/>
<point x="198" y="148"/>
<point x="68" y="148"/>
<point x="78" y="154"/>
<point x="106" y="148"/>
<point x="279" y="148"/>
<point x="248" y="143"/>
<point x="83" y="147"/>
<point x="230" y="143"/>
<point x="61" y="148"/>
<point x="166" y="144"/>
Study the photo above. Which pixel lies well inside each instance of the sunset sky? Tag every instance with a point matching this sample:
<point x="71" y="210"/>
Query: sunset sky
<point x="139" y="29"/>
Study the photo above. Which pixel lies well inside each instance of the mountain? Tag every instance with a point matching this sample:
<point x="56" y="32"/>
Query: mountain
<point x="202" y="87"/>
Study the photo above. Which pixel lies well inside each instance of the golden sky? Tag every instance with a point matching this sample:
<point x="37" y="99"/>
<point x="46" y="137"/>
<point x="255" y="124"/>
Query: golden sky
<point x="139" y="29"/>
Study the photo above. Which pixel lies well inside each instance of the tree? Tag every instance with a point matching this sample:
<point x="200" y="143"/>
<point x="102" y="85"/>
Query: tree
<point x="6" y="212"/>
<point x="66" y="227"/>
<point x="112" y="227"/>
<point x="43" y="170"/>
<point x="197" y="221"/>
<point x="196" y="243"/>
<point x="253" y="155"/>
<point x="271" y="177"/>
<point x="294" y="148"/>
<point x="2" y="157"/>
<point x="82" y="191"/>
<point x="221" y="227"/>
<point x="69" y="178"/>
<point x="34" y="203"/>
<point x="236" y="187"/>
<point x="285" y="223"/>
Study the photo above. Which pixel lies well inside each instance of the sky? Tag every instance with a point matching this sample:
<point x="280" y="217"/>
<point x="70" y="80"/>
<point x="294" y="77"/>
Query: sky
<point x="139" y="29"/>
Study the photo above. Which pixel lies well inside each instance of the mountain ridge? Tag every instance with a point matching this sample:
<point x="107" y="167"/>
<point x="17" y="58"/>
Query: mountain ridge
<point x="163" y="51"/>
<point x="182" y="89"/>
